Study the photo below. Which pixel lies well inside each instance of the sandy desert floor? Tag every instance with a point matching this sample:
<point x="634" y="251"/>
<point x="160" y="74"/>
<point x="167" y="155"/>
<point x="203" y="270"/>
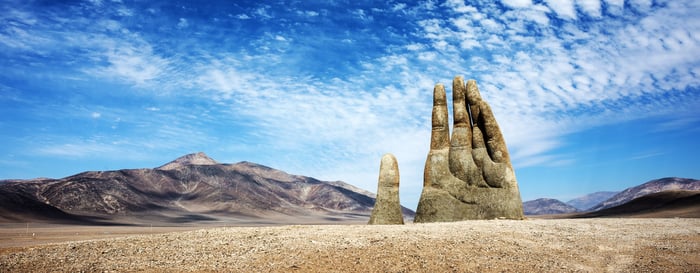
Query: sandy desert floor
<point x="539" y="245"/>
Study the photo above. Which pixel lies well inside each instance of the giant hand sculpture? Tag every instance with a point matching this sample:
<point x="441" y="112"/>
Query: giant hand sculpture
<point x="468" y="176"/>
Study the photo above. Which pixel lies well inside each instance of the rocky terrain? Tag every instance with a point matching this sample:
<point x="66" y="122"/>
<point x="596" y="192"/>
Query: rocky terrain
<point x="193" y="188"/>
<point x="570" y="245"/>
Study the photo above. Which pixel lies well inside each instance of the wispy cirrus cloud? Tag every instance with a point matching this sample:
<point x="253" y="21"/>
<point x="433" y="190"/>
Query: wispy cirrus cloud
<point x="132" y="65"/>
<point x="539" y="63"/>
<point x="98" y="45"/>
<point x="570" y="73"/>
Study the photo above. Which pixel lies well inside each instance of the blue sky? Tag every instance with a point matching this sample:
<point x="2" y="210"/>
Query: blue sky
<point x="590" y="95"/>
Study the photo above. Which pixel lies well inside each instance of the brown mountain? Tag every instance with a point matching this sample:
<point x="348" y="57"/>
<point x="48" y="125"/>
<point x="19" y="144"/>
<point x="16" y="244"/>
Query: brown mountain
<point x="665" y="204"/>
<point x="653" y="186"/>
<point x="192" y="188"/>
<point x="190" y="159"/>
<point x="547" y="206"/>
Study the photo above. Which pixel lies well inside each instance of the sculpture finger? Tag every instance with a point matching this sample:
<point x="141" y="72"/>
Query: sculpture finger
<point x="460" y="157"/>
<point x="484" y="119"/>
<point x="473" y="99"/>
<point x="387" y="208"/>
<point x="439" y="138"/>
<point x="388" y="173"/>
<point x="461" y="133"/>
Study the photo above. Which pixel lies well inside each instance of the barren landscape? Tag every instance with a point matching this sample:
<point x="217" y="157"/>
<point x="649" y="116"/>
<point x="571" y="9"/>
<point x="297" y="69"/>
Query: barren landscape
<point x="535" y="245"/>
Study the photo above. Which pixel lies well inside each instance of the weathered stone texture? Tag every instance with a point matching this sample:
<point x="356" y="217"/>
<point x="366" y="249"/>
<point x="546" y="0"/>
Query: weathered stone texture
<point x="387" y="208"/>
<point x="468" y="175"/>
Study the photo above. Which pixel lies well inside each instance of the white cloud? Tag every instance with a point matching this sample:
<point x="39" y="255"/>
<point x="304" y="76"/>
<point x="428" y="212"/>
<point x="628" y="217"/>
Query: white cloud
<point x="344" y="127"/>
<point x="95" y="115"/>
<point x="100" y="47"/>
<point x="641" y="5"/>
<point x="459" y="6"/>
<point x="491" y="25"/>
<point x="537" y="14"/>
<point x="362" y="15"/>
<point x="89" y="148"/>
<point x="563" y="8"/>
<point x="462" y="23"/>
<point x="574" y="76"/>
<point x="76" y="150"/>
<point x="615" y="7"/>
<point x="122" y="11"/>
<point x="517" y="3"/>
<point x="227" y="82"/>
<point x="415" y="46"/>
<point x="182" y="23"/>
<point x="398" y="6"/>
<point x="134" y="65"/>
<point x="590" y="7"/>
<point x="427" y="56"/>
<point x="263" y="12"/>
<point x="311" y="13"/>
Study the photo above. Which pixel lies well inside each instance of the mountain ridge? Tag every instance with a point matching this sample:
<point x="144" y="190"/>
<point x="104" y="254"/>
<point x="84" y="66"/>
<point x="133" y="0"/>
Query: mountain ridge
<point x="199" y="158"/>
<point x="625" y="202"/>
<point x="649" y="187"/>
<point x="671" y="203"/>
<point x="547" y="206"/>
<point x="584" y="203"/>
<point x="191" y="188"/>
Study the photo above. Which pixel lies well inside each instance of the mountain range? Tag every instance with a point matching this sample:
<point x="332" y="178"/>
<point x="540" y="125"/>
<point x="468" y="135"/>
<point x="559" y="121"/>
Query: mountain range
<point x="586" y="202"/>
<point x="192" y="188"/>
<point x="664" y="204"/>
<point x="197" y="189"/>
<point x="653" y="186"/>
<point x="652" y="197"/>
<point x="547" y="206"/>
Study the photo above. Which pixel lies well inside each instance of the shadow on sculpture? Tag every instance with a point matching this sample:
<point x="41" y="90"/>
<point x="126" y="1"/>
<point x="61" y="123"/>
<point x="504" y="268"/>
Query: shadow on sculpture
<point x="469" y="175"/>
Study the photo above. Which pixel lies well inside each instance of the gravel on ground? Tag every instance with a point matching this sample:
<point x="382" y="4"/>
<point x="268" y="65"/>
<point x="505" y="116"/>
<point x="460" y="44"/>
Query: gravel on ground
<point x="560" y="245"/>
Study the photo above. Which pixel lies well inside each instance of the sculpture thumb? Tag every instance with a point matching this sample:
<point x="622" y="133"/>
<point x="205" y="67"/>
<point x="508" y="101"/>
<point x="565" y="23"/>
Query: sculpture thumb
<point x="387" y="208"/>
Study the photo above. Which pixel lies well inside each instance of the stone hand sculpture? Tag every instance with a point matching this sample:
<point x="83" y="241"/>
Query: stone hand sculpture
<point x="387" y="208"/>
<point x="467" y="176"/>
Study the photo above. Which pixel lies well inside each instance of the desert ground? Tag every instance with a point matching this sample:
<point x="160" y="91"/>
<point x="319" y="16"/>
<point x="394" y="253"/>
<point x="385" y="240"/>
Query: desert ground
<point x="534" y="245"/>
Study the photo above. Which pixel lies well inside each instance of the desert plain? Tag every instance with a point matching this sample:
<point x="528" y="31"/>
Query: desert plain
<point x="532" y="245"/>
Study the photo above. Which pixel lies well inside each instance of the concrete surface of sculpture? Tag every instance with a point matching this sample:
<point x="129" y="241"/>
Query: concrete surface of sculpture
<point x="469" y="175"/>
<point x="387" y="208"/>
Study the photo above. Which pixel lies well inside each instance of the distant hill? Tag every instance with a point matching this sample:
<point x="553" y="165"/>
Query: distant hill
<point x="620" y="199"/>
<point x="588" y="201"/>
<point x="192" y="188"/>
<point x="546" y="206"/>
<point x="665" y="204"/>
<point x="653" y="186"/>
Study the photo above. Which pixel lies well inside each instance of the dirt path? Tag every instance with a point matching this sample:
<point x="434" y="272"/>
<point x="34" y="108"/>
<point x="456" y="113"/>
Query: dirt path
<point x="581" y="245"/>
